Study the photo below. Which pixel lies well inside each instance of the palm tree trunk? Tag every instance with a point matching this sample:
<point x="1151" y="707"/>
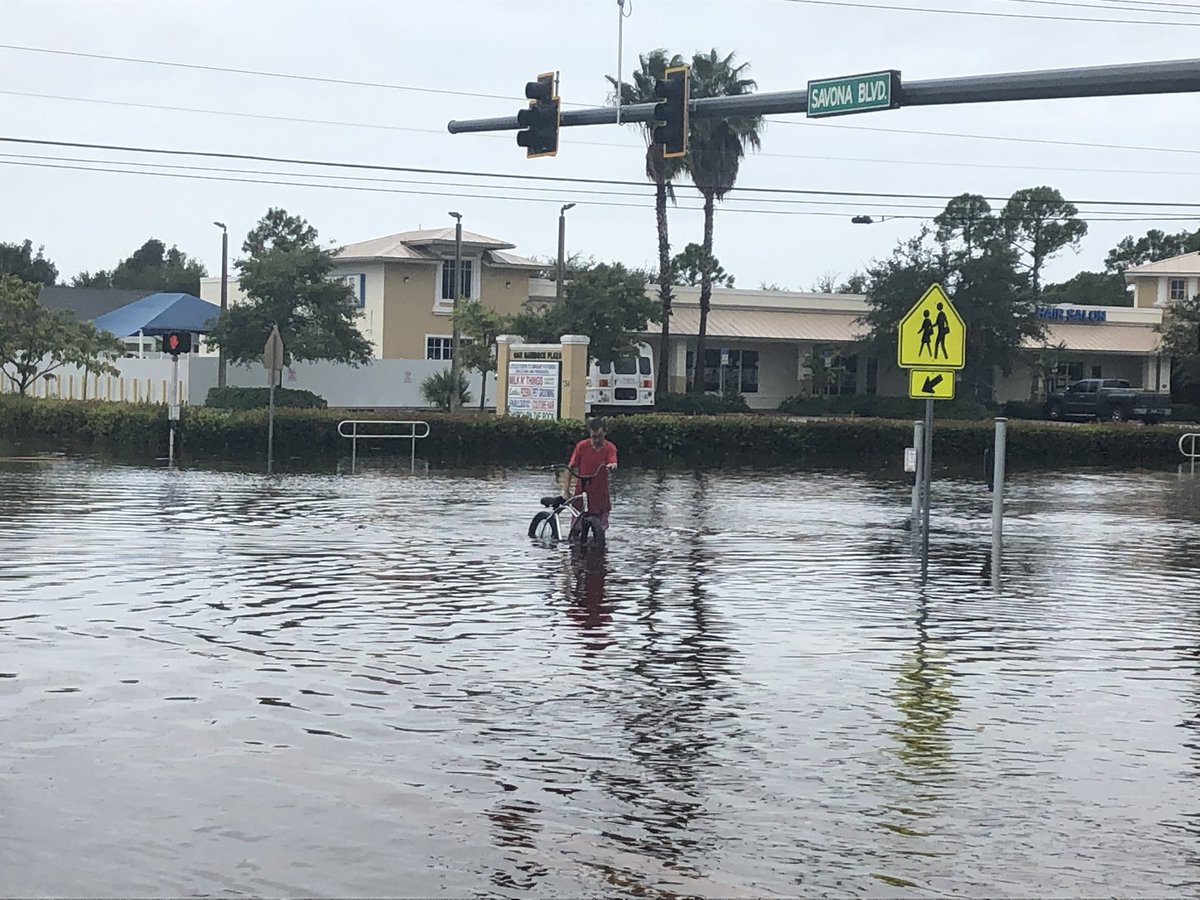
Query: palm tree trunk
<point x="705" y="294"/>
<point x="664" y="287"/>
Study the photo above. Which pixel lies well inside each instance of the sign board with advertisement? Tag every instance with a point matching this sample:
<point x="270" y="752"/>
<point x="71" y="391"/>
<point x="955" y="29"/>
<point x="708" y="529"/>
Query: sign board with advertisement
<point x="533" y="388"/>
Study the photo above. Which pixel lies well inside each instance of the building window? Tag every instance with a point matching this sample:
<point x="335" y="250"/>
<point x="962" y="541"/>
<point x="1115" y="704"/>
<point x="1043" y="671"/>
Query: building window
<point x="448" y="278"/>
<point x="739" y="372"/>
<point x="441" y="346"/>
<point x="1178" y="289"/>
<point x="356" y="284"/>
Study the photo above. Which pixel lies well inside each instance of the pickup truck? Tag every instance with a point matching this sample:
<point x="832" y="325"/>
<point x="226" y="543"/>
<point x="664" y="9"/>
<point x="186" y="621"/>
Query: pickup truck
<point x="1108" y="398"/>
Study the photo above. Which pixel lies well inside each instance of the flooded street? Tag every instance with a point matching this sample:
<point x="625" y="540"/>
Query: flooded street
<point x="212" y="683"/>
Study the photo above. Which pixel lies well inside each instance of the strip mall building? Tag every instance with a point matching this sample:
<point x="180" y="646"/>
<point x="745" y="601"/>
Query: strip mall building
<point x="774" y="345"/>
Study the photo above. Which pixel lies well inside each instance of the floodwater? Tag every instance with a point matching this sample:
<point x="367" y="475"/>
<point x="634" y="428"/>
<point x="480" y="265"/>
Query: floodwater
<point x="215" y="683"/>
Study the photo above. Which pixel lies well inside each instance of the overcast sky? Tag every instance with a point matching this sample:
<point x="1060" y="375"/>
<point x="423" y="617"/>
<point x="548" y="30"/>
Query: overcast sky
<point x="88" y="220"/>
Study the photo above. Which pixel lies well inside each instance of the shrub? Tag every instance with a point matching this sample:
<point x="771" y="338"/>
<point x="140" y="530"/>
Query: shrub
<point x="874" y="406"/>
<point x="1024" y="409"/>
<point x="260" y="398"/>
<point x="437" y="390"/>
<point x="702" y="404"/>
<point x="1185" y="412"/>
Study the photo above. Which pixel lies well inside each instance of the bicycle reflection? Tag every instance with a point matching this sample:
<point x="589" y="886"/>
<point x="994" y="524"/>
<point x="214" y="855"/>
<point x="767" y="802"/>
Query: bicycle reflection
<point x="588" y="605"/>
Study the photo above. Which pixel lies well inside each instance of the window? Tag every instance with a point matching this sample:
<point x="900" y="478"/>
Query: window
<point x="357" y="285"/>
<point x="626" y="365"/>
<point x="441" y="346"/>
<point x="739" y="374"/>
<point x="468" y="278"/>
<point x="1178" y="289"/>
<point x="605" y="367"/>
<point x="1096" y="373"/>
<point x="644" y="365"/>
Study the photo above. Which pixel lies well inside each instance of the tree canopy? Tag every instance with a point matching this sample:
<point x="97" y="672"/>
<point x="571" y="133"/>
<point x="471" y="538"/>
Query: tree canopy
<point x="152" y="267"/>
<point x="686" y="268"/>
<point x="481" y="325"/>
<point x="607" y="302"/>
<point x="286" y="279"/>
<point x="21" y="261"/>
<point x="35" y="341"/>
<point x="1153" y="246"/>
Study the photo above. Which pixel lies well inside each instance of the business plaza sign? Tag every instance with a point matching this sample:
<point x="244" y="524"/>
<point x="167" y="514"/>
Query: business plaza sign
<point x="1073" y="314"/>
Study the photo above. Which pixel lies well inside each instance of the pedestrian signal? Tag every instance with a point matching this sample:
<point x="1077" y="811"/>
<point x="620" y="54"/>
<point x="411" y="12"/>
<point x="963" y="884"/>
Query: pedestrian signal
<point x="176" y="342"/>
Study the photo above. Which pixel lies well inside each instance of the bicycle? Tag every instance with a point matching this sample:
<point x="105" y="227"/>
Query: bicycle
<point x="547" y="525"/>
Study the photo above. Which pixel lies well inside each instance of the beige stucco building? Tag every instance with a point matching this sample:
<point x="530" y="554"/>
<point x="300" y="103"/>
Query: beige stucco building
<point x="1158" y="284"/>
<point x="403" y="285"/>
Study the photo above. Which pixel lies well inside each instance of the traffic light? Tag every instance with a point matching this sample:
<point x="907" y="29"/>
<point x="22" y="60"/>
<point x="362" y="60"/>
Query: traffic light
<point x="671" y="109"/>
<point x="176" y="342"/>
<point x="540" y="120"/>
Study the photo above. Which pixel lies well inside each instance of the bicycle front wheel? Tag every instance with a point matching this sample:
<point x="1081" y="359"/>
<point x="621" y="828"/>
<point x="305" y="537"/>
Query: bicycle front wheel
<point x="544" y="527"/>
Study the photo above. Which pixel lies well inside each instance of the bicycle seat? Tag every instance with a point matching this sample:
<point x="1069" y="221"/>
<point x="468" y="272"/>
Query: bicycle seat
<point x="556" y="500"/>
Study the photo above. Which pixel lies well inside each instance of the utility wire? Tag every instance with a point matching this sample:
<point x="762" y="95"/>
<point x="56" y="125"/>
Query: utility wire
<point x="630" y="146"/>
<point x="891" y="7"/>
<point x="512" y="198"/>
<point x="1117" y="6"/>
<point x="531" y="178"/>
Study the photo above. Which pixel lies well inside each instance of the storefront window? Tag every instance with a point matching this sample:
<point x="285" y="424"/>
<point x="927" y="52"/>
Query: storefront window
<point x="739" y="373"/>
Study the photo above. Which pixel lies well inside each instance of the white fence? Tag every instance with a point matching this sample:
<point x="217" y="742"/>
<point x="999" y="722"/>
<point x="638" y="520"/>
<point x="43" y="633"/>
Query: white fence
<point x="385" y="383"/>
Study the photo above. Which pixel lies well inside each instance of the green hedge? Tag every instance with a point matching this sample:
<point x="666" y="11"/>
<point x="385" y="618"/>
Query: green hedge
<point x="701" y="404"/>
<point x="872" y="406"/>
<point x="702" y="441"/>
<point x="260" y="398"/>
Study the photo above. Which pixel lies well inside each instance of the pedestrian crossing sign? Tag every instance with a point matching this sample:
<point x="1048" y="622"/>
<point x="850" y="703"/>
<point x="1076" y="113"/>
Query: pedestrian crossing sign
<point x="932" y="334"/>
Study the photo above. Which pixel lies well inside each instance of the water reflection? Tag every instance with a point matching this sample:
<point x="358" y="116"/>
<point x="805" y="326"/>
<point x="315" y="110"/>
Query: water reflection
<point x="375" y="681"/>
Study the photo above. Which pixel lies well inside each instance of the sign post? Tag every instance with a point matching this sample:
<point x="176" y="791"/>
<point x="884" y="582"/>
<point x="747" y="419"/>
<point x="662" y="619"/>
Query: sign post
<point x="932" y="345"/>
<point x="174" y="342"/>
<point x="273" y="363"/>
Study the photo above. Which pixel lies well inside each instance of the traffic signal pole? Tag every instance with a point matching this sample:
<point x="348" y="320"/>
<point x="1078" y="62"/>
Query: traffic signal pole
<point x="1168" y="77"/>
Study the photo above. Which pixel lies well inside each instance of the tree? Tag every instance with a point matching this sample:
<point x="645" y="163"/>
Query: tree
<point x="990" y="292"/>
<point x="714" y="158"/>
<point x="152" y="267"/>
<point x="1089" y="289"/>
<point x="481" y="325"/>
<point x="1151" y="247"/>
<point x="686" y="268"/>
<point x="826" y="284"/>
<point x="285" y="277"/>
<point x="35" y="340"/>
<point x="1180" y="330"/>
<point x="662" y="171"/>
<point x="967" y="219"/>
<point x="608" y="303"/>
<point x="1039" y="223"/>
<point x="21" y="261"/>
<point x="438" y="388"/>
<point x="855" y="284"/>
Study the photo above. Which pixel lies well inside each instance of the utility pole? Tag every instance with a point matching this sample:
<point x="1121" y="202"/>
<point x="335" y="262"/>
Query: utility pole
<point x="454" y="363"/>
<point x="1168" y="77"/>
<point x="224" y="297"/>
<point x="562" y="251"/>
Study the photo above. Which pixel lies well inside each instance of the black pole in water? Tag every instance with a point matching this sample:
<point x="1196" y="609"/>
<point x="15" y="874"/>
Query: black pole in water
<point x="271" y="426"/>
<point x="927" y="472"/>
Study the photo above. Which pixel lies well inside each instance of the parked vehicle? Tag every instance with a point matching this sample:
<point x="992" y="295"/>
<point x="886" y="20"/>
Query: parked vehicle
<point x="1108" y="398"/>
<point x="625" y="384"/>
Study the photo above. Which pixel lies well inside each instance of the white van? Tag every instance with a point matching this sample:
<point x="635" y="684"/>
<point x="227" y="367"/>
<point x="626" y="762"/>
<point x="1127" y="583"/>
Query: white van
<point x="625" y="384"/>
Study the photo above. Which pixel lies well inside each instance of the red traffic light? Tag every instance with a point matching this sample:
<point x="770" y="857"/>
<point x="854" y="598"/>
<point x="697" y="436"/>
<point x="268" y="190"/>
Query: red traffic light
<point x="176" y="342"/>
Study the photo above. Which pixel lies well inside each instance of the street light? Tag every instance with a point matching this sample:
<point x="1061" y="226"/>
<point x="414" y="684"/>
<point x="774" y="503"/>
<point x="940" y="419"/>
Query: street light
<point x="454" y="369"/>
<point x="224" y="296"/>
<point x="562" y="250"/>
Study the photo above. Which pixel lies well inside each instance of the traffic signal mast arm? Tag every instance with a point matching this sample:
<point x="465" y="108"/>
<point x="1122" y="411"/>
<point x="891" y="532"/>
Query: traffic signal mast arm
<point x="1170" y="77"/>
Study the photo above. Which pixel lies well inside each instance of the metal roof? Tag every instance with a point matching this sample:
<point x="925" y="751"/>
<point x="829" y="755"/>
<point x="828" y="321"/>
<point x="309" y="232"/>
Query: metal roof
<point x="1107" y="338"/>
<point x="771" y="324"/>
<point x="430" y="245"/>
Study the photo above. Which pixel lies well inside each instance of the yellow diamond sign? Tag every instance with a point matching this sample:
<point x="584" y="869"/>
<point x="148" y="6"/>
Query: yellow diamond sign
<point x="930" y="384"/>
<point x="932" y="334"/>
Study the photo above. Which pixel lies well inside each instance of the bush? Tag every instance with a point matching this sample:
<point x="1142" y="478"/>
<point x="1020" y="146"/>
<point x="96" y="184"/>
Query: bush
<point x="702" y="404"/>
<point x="1185" y="412"/>
<point x="310" y="436"/>
<point x="437" y="390"/>
<point x="876" y="407"/>
<point x="1024" y="409"/>
<point x="260" y="398"/>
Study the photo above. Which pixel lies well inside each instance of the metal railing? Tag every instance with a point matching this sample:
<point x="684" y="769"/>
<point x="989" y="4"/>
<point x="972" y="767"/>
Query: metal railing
<point x="415" y="432"/>
<point x="1187" y="447"/>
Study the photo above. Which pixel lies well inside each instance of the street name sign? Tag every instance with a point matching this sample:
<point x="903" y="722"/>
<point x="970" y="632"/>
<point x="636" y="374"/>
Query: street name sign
<point x="932" y="334"/>
<point x="854" y="94"/>
<point x="931" y="384"/>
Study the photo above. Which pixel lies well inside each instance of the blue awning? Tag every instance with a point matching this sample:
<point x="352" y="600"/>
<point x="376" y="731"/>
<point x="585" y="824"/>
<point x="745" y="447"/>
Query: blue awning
<point x="159" y="314"/>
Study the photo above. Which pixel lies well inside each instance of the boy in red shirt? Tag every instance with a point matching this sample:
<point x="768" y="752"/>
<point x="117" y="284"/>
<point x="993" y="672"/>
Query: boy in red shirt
<point x="593" y="458"/>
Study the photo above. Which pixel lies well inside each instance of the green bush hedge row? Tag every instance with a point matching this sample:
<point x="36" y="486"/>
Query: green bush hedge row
<point x="872" y="406"/>
<point x="701" y="404"/>
<point x="260" y="398"/>
<point x="708" y="441"/>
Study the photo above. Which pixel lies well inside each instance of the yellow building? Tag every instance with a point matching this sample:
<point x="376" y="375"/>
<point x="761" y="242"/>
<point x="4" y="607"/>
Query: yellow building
<point x="1158" y="284"/>
<point x="403" y="285"/>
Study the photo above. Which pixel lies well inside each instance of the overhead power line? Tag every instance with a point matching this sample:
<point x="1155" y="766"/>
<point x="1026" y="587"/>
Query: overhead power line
<point x="892" y="7"/>
<point x="1111" y="6"/>
<point x="111" y="169"/>
<point x="938" y="163"/>
<point x="864" y="196"/>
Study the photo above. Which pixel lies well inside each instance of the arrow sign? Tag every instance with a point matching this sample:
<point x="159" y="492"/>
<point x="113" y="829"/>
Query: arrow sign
<point x="930" y="384"/>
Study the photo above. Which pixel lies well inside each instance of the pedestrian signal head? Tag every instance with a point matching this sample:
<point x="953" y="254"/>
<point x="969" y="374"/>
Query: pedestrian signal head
<point x="176" y="342"/>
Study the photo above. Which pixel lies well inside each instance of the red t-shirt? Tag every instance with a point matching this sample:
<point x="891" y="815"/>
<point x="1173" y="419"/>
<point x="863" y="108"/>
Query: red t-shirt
<point x="586" y="459"/>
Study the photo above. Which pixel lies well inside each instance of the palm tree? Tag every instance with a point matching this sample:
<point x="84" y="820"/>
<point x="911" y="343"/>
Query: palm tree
<point x="716" y="149"/>
<point x="662" y="171"/>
